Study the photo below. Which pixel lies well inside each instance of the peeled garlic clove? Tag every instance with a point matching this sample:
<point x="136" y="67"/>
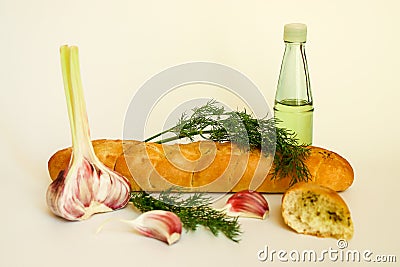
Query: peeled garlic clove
<point x="247" y="203"/>
<point x="159" y="224"/>
<point x="87" y="186"/>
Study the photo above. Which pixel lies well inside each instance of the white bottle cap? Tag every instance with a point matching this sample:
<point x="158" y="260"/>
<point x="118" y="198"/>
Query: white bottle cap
<point x="295" y="33"/>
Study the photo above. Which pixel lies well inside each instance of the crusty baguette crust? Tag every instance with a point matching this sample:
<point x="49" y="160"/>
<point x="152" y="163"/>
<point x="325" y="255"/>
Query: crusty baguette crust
<point x="316" y="210"/>
<point x="205" y="166"/>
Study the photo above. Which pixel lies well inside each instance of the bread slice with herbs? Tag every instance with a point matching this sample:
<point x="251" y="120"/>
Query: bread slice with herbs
<point x="313" y="209"/>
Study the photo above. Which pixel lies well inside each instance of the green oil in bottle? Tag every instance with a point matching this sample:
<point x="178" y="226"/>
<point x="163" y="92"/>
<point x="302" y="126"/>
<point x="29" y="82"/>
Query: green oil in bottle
<point x="296" y="115"/>
<point x="293" y="99"/>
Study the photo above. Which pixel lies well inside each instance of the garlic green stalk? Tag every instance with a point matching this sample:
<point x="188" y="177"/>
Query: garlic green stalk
<point x="158" y="224"/>
<point x="87" y="186"/>
<point x="247" y="204"/>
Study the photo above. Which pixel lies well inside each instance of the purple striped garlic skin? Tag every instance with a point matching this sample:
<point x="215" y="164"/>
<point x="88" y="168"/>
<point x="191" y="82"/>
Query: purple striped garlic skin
<point x="247" y="203"/>
<point x="85" y="189"/>
<point x="159" y="224"/>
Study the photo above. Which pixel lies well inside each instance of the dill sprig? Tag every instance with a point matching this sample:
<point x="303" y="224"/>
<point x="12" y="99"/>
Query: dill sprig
<point x="213" y="122"/>
<point x="290" y="157"/>
<point x="194" y="210"/>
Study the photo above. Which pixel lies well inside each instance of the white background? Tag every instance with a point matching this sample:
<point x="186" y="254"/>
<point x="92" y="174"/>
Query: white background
<point x="353" y="58"/>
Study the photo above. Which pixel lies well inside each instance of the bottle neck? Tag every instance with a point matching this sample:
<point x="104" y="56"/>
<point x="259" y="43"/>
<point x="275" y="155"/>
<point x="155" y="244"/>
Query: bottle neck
<point x="294" y="83"/>
<point x="297" y="50"/>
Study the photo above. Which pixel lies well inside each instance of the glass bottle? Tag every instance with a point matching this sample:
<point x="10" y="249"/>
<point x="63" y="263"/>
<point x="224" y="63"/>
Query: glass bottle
<point x="293" y="100"/>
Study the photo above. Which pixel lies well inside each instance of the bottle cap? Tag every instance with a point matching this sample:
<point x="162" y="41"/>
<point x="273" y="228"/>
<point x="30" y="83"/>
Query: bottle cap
<point x="295" y="33"/>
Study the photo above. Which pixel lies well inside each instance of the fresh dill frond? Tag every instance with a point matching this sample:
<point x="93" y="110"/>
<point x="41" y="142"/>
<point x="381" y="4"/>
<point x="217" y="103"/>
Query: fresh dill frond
<point x="290" y="157"/>
<point x="194" y="211"/>
<point x="213" y="122"/>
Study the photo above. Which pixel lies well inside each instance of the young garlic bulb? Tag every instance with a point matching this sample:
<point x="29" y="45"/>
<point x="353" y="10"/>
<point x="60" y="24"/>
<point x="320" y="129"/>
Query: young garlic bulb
<point x="87" y="186"/>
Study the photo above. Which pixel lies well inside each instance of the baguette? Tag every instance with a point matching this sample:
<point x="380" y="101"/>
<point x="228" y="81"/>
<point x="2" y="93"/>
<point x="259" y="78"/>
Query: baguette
<point x="316" y="210"/>
<point x="205" y="166"/>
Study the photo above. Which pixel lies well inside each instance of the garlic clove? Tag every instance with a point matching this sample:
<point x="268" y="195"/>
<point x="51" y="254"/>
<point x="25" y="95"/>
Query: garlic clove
<point x="247" y="203"/>
<point x="87" y="186"/>
<point x="159" y="224"/>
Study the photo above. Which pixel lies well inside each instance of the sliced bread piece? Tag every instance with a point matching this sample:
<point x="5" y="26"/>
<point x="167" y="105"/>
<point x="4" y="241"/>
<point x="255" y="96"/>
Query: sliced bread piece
<point x="313" y="209"/>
